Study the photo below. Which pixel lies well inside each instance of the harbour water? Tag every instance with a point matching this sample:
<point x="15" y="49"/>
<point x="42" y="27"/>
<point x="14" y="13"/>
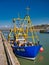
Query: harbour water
<point x="43" y="57"/>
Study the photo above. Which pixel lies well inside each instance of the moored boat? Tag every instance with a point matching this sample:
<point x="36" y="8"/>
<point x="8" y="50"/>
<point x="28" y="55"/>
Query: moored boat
<point x="21" y="45"/>
<point x="44" y="31"/>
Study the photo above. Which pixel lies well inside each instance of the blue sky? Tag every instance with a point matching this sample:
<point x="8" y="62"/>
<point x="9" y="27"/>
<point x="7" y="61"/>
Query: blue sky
<point x="39" y="11"/>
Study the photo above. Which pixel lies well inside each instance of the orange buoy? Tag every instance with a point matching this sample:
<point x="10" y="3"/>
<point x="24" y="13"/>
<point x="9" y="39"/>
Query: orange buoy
<point x="41" y="49"/>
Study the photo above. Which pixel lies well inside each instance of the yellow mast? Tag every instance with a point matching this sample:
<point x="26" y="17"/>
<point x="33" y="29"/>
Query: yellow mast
<point x="29" y="23"/>
<point x="14" y="29"/>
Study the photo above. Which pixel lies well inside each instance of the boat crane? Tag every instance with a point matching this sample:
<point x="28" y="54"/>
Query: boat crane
<point x="31" y="29"/>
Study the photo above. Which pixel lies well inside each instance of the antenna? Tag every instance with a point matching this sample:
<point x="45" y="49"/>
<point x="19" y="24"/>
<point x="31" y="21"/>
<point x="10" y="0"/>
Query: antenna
<point x="28" y="6"/>
<point x="18" y="15"/>
<point x="27" y="10"/>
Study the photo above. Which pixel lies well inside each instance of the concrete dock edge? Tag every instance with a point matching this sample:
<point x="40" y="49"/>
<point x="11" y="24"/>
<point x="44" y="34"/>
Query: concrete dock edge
<point x="12" y="59"/>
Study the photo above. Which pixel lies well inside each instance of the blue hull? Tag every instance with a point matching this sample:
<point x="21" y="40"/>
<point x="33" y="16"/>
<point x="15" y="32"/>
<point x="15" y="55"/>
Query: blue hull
<point x="27" y="52"/>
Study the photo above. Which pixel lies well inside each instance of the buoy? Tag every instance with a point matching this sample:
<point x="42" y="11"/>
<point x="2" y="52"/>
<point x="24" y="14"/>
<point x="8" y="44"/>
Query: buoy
<point x="41" y="49"/>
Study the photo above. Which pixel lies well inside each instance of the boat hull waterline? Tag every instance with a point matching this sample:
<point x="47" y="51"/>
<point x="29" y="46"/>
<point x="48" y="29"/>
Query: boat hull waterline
<point x="28" y="52"/>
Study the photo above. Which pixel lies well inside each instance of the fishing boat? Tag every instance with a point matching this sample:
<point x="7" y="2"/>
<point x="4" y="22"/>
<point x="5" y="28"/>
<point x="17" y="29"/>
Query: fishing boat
<point x="20" y="44"/>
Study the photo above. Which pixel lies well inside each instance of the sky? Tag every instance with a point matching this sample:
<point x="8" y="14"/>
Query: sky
<point x="9" y="9"/>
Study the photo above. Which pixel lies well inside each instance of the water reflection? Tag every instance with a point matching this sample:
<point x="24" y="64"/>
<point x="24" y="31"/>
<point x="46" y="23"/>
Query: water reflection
<point x="41" y="58"/>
